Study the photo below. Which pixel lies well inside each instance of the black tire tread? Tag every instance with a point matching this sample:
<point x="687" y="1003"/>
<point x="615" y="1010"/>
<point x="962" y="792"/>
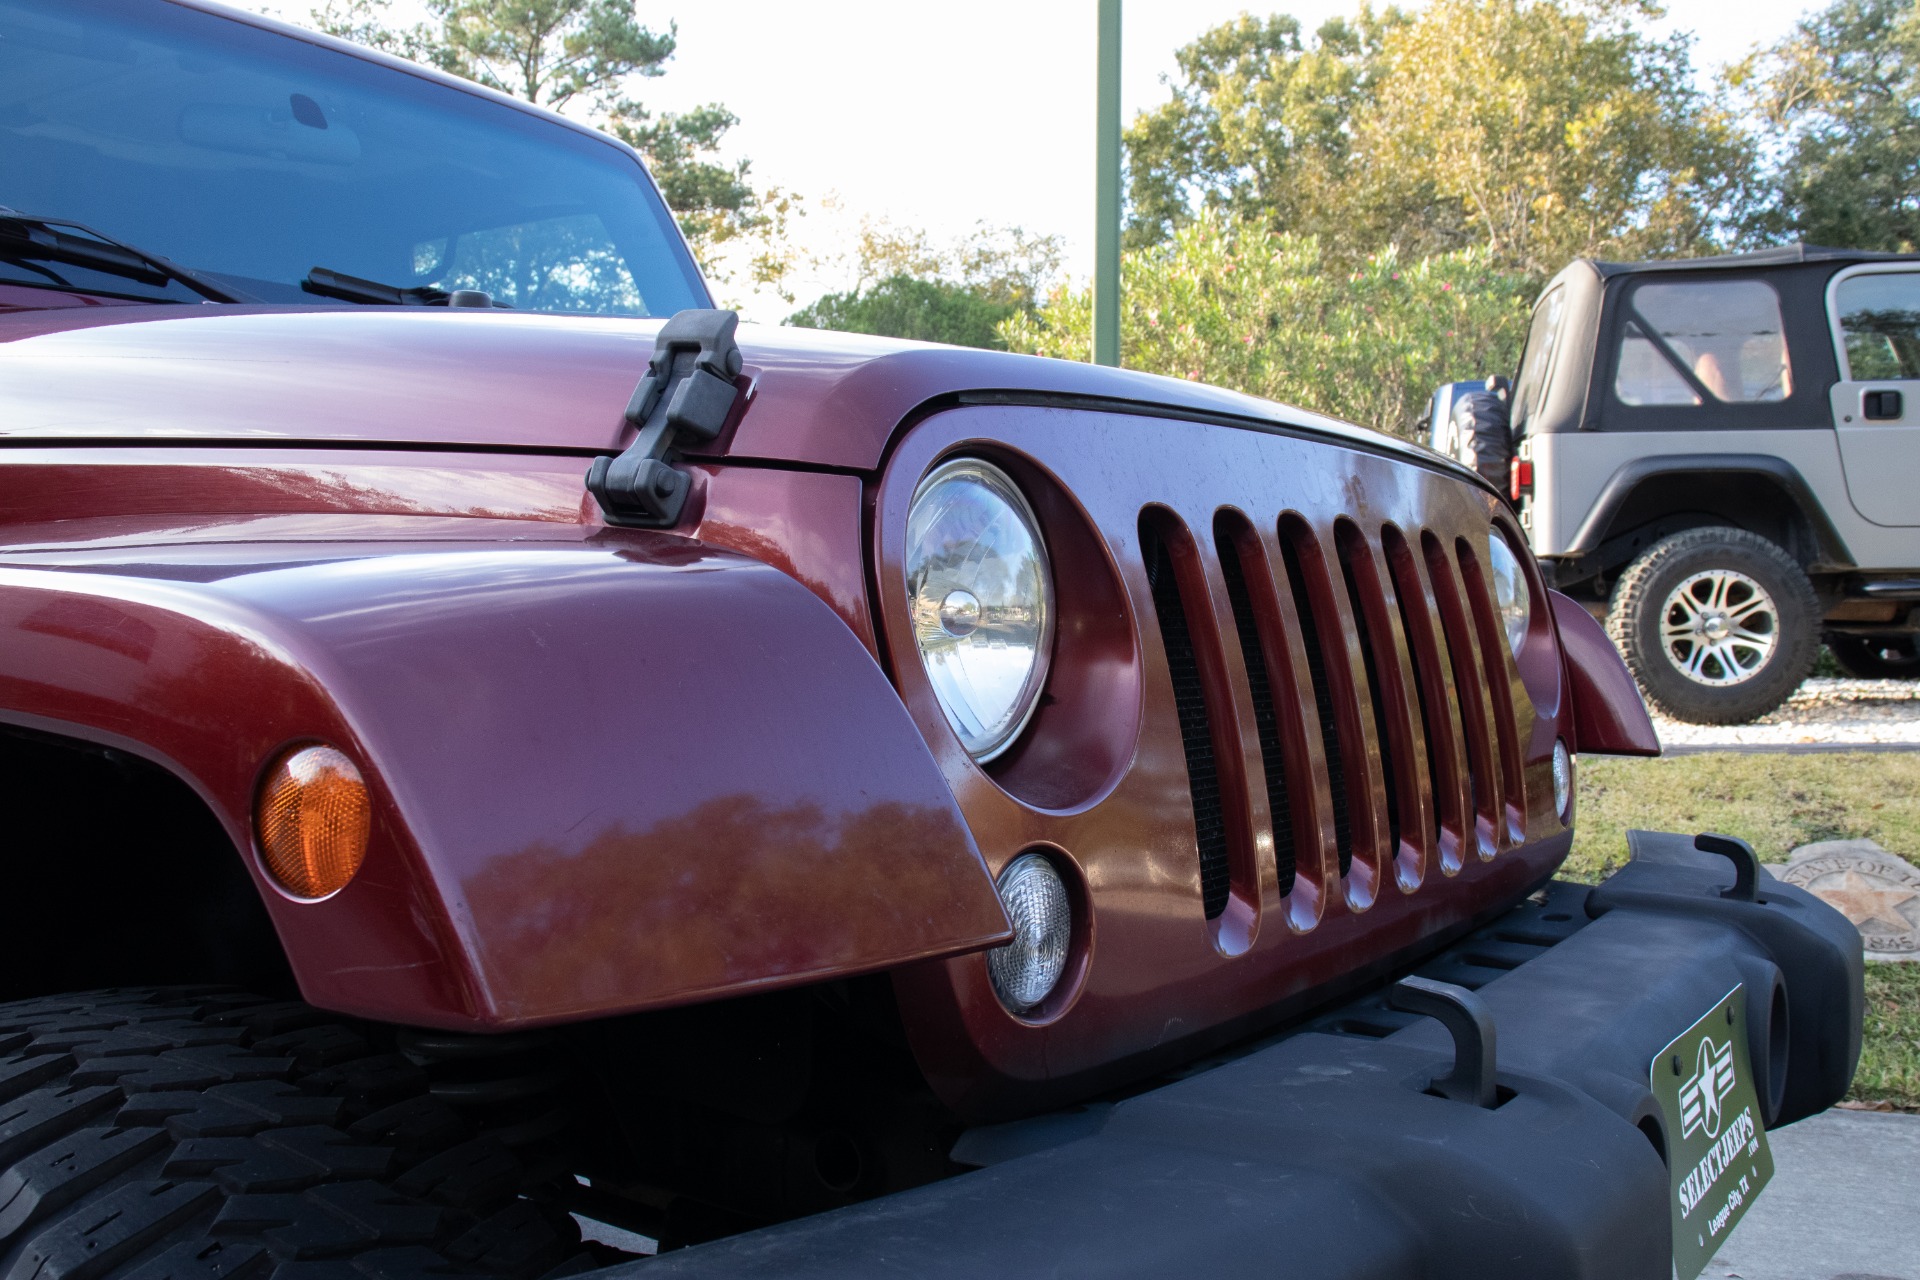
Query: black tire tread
<point x="204" y="1134"/>
<point x="1633" y="597"/>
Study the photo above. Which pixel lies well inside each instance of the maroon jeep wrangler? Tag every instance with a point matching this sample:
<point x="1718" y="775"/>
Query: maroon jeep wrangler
<point x="497" y="783"/>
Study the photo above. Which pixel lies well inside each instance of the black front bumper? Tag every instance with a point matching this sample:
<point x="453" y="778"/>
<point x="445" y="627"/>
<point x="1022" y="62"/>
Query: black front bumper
<point x="1321" y="1153"/>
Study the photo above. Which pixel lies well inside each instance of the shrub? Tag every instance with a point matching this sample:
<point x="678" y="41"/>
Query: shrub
<point x="1235" y="304"/>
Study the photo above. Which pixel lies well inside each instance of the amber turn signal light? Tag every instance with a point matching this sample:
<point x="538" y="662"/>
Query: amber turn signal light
<point x="312" y="818"/>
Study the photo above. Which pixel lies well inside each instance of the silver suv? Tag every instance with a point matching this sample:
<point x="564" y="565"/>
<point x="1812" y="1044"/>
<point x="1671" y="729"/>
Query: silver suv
<point x="1723" y="456"/>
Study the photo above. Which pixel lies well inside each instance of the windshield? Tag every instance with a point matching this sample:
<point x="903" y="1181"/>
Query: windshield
<point x="253" y="157"/>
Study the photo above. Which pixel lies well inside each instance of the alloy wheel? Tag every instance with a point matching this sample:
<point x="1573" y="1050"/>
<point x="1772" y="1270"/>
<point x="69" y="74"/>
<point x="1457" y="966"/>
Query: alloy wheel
<point x="1719" y="627"/>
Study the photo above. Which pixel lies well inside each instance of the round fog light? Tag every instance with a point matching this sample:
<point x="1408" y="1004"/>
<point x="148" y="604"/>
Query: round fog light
<point x="1562" y="779"/>
<point x="1026" y="970"/>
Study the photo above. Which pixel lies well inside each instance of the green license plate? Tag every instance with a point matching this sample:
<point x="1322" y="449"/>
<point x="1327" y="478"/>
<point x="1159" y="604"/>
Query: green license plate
<point x="1717" y="1147"/>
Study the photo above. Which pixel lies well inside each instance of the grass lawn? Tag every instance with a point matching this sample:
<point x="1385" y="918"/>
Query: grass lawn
<point x="1890" y="1057"/>
<point x="1775" y="802"/>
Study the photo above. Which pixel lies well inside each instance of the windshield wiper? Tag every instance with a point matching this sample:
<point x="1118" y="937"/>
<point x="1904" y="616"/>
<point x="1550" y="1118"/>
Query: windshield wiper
<point x="338" y="284"/>
<point x="28" y="239"/>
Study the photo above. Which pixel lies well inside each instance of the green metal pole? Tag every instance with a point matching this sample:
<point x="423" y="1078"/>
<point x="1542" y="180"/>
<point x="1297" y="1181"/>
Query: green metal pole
<point x="1106" y="237"/>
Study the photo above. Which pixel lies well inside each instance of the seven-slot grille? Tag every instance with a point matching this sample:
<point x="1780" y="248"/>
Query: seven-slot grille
<point x="1381" y="653"/>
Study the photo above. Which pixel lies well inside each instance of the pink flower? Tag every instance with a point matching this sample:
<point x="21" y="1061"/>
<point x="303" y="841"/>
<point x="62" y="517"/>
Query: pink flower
<point x="1396" y="275"/>
<point x="1446" y="287"/>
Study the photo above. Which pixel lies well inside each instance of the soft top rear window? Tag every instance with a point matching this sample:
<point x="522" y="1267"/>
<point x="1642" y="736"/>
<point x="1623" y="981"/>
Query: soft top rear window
<point x="1695" y="342"/>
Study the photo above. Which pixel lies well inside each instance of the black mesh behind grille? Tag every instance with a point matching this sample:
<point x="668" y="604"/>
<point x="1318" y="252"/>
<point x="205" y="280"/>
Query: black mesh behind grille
<point x="1374" y="692"/>
<point x="1264" y="717"/>
<point x="1196" y="734"/>
<point x="1323" y="703"/>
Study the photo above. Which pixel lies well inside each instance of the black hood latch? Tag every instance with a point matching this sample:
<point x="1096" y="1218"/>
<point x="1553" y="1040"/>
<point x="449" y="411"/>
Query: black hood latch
<point x="687" y="393"/>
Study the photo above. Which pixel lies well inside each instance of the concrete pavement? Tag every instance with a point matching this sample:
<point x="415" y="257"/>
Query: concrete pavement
<point x="1844" y="1204"/>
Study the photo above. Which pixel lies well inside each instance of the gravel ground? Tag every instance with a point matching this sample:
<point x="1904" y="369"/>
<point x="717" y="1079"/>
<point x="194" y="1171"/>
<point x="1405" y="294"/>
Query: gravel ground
<point x="1825" y="712"/>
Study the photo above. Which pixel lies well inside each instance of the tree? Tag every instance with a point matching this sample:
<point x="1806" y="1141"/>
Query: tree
<point x="1259" y="123"/>
<point x="1237" y="304"/>
<point x="905" y="286"/>
<point x="904" y="307"/>
<point x="563" y="54"/>
<point x="1539" y="130"/>
<point x="546" y="51"/>
<point x="1836" y="107"/>
<point x="1545" y="131"/>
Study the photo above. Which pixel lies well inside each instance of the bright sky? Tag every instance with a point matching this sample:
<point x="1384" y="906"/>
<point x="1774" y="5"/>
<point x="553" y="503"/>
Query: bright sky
<point x="941" y="116"/>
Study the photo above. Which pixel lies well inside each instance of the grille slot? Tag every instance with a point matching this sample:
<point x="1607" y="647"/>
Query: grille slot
<point x="1471" y="697"/>
<point x="1170" y="607"/>
<point x="1351" y="547"/>
<point x="1493" y="652"/>
<point x="1428" y="653"/>
<point x="1293" y="533"/>
<point x="1240" y="558"/>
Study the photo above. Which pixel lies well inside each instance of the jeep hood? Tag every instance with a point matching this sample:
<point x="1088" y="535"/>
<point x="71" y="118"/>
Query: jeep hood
<point x="383" y="377"/>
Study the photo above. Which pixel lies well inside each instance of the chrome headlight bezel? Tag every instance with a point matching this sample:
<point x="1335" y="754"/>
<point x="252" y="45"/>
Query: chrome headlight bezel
<point x="987" y="722"/>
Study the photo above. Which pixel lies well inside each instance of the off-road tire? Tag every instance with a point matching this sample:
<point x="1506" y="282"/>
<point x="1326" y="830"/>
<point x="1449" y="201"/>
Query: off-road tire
<point x="1643" y="592"/>
<point x="1872" y="658"/>
<point x="199" y="1134"/>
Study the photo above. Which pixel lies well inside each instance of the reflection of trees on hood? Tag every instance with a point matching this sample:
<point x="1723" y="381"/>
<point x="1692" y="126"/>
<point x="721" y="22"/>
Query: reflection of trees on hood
<point x="736" y="890"/>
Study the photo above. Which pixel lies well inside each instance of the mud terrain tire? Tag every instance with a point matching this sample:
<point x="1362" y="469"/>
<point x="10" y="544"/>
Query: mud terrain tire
<point x="1680" y="574"/>
<point x="199" y="1134"/>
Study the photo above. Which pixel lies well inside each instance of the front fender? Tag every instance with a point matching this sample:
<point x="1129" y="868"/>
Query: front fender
<point x="611" y="770"/>
<point x="1609" y="715"/>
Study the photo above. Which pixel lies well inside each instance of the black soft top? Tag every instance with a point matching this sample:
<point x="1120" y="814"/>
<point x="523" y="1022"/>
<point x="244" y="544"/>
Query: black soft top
<point x="1783" y="256"/>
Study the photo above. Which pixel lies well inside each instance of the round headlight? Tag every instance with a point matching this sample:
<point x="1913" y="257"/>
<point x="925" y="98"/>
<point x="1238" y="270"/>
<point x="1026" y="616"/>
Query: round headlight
<point x="1026" y="970"/>
<point x="980" y="593"/>
<point x="1510" y="593"/>
<point x="1562" y="779"/>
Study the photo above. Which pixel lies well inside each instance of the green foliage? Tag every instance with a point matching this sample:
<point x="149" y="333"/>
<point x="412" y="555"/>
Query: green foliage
<point x="905" y="286"/>
<point x="1259" y="124"/>
<point x="1544" y="131"/>
<point x="546" y="51"/>
<point x="1836" y="101"/>
<point x="902" y="306"/>
<point x="1537" y="129"/>
<point x="1237" y="304"/>
<point x="714" y="202"/>
<point x="1889" y="1074"/>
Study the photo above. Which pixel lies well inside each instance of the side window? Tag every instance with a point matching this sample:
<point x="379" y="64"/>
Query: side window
<point x="1530" y="388"/>
<point x="1880" y="322"/>
<point x="1718" y="339"/>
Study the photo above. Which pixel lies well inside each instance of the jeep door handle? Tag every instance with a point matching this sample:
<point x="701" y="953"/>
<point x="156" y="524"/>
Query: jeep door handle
<point x="1881" y="406"/>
